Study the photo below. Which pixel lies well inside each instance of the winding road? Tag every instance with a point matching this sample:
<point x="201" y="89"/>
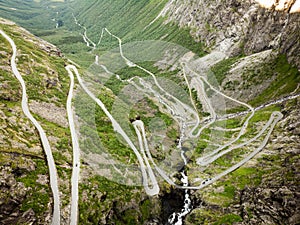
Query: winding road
<point x="149" y="179"/>
<point x="184" y="114"/>
<point x="187" y="117"/>
<point x="76" y="153"/>
<point x="198" y="82"/>
<point x="43" y="136"/>
<point x="86" y="39"/>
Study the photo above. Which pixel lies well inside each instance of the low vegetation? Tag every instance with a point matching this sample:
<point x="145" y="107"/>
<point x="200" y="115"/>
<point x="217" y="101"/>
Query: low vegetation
<point x="286" y="79"/>
<point x="46" y="81"/>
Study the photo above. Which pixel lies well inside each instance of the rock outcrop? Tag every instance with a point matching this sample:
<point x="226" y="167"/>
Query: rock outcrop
<point x="277" y="199"/>
<point x="238" y="27"/>
<point x="244" y="28"/>
<point x="290" y="6"/>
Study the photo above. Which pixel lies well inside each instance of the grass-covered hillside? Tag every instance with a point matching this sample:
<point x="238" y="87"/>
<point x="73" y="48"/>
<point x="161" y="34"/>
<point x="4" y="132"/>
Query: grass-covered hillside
<point x="23" y="165"/>
<point x="30" y="14"/>
<point x="25" y="195"/>
<point x="130" y="20"/>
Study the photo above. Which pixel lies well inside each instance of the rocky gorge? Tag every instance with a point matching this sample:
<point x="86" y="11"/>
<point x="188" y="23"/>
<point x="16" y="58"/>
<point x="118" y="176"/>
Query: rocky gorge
<point x="262" y="48"/>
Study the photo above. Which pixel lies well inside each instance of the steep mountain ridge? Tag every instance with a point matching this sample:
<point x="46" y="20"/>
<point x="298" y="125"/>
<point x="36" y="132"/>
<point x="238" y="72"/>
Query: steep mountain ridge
<point x="238" y="27"/>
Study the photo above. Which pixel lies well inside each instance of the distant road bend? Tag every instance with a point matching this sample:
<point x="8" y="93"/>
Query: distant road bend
<point x="44" y="139"/>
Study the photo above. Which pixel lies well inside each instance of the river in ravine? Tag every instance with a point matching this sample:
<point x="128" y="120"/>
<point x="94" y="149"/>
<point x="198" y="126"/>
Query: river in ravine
<point x="176" y="218"/>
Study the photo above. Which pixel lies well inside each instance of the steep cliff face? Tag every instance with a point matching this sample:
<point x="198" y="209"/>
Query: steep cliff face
<point x="237" y="27"/>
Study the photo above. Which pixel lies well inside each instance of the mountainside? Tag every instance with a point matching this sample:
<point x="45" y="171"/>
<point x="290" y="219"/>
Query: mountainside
<point x="60" y="28"/>
<point x="25" y="194"/>
<point x="220" y="83"/>
<point x="238" y="27"/>
<point x="26" y="197"/>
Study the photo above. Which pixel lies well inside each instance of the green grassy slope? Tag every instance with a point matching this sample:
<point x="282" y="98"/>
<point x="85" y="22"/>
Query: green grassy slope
<point x="126" y="19"/>
<point x="22" y="158"/>
<point x="23" y="166"/>
<point x="29" y="14"/>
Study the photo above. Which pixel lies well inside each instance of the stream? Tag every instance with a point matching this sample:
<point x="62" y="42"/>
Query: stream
<point x="177" y="217"/>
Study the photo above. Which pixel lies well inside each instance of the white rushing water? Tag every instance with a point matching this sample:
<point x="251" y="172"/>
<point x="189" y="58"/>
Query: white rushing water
<point x="177" y="217"/>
